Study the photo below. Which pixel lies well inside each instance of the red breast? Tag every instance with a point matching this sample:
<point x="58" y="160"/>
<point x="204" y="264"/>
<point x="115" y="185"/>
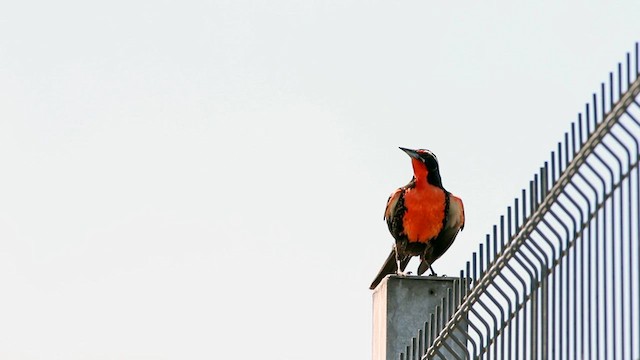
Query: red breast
<point x="425" y="211"/>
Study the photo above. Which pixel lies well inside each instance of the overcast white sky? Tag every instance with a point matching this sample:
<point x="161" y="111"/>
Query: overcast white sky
<point x="207" y="179"/>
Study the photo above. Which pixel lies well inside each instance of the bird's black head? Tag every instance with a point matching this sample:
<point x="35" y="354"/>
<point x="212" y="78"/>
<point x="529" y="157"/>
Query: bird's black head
<point x="426" y="164"/>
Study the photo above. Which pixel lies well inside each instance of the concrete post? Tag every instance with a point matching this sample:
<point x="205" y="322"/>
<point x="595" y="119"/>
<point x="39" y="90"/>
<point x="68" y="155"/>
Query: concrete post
<point x="401" y="305"/>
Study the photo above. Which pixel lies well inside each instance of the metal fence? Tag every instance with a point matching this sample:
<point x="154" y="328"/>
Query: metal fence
<point x="559" y="275"/>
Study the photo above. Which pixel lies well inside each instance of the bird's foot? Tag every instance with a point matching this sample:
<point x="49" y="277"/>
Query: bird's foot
<point x="402" y="273"/>
<point x="433" y="273"/>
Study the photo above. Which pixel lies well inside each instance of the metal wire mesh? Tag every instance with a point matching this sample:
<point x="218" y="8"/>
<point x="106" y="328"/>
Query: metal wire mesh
<point x="559" y="275"/>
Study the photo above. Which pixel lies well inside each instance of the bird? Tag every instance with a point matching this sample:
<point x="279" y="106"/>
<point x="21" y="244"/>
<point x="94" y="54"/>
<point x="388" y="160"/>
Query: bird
<point x="423" y="217"/>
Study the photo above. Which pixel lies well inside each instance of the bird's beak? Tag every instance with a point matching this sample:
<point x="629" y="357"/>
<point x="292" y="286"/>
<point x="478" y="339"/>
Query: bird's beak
<point x="414" y="154"/>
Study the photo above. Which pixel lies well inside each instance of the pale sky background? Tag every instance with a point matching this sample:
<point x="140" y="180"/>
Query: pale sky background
<point x="207" y="179"/>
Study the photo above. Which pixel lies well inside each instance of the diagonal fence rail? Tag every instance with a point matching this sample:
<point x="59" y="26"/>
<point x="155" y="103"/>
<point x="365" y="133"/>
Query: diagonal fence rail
<point x="559" y="276"/>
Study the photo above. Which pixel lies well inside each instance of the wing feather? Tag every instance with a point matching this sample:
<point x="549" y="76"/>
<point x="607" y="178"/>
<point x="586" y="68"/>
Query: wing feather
<point x="391" y="204"/>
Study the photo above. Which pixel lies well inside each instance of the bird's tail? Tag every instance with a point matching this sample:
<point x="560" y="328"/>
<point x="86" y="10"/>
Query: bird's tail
<point x="390" y="267"/>
<point x="424" y="266"/>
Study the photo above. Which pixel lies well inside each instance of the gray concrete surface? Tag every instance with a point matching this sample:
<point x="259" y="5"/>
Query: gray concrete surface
<point x="401" y="305"/>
